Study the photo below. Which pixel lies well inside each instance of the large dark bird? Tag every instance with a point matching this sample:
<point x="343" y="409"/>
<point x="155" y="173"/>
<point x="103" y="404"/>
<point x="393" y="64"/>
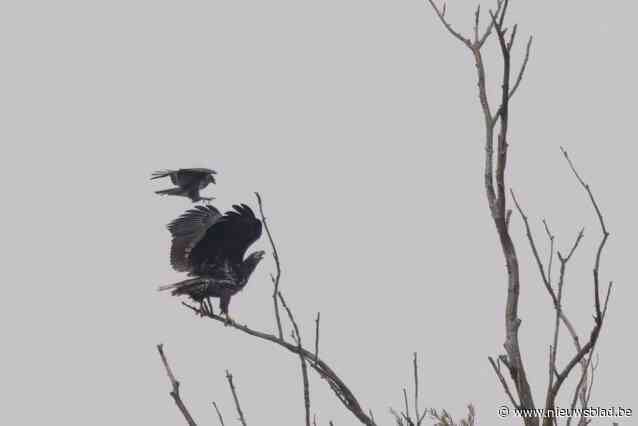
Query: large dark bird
<point x="211" y="247"/>
<point x="188" y="182"/>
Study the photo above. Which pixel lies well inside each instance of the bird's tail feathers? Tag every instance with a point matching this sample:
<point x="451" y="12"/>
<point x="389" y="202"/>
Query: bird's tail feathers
<point x="183" y="287"/>
<point x="161" y="174"/>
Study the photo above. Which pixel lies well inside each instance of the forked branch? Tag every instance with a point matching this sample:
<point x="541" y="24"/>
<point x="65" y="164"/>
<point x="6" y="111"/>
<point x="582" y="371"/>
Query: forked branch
<point x="494" y="180"/>
<point x="342" y="391"/>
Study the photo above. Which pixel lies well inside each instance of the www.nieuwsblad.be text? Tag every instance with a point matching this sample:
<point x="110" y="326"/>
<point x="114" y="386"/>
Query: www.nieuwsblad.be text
<point x="615" y="411"/>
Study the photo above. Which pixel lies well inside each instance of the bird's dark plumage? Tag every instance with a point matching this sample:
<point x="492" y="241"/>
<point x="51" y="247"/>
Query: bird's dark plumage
<point x="188" y="182"/>
<point x="211" y="247"/>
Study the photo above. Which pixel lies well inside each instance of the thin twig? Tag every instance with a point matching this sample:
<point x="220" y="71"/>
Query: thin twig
<point x="521" y="72"/>
<point x="560" y="315"/>
<point x="415" y="366"/>
<point x="603" y="228"/>
<point x="229" y="377"/>
<point x="490" y="26"/>
<point x="532" y="243"/>
<point x="219" y="414"/>
<point x="477" y="20"/>
<point x="342" y="391"/>
<point x="500" y="376"/>
<point x="175" y="388"/>
<point x="304" y="365"/>
<point x="551" y="252"/>
<point x="317" y="334"/>
<point x="441" y="15"/>
<point x="276" y="278"/>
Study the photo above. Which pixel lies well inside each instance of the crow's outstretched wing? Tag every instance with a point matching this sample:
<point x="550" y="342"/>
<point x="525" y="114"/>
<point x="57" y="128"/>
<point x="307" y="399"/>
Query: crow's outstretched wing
<point x="188" y="230"/>
<point x="229" y="238"/>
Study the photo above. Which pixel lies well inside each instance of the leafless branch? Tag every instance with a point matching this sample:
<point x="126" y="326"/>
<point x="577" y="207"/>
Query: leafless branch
<point x="219" y="414"/>
<point x="603" y="229"/>
<point x="274" y="278"/>
<point x="406" y="405"/>
<point x="555" y="296"/>
<point x="582" y="392"/>
<point x="240" y="413"/>
<point x="415" y="367"/>
<point x="317" y="334"/>
<point x="175" y="388"/>
<point x="477" y="20"/>
<point x="441" y="14"/>
<point x="342" y="391"/>
<point x="521" y="72"/>
<point x="556" y="378"/>
<point x="551" y="251"/>
<point x="499" y="374"/>
<point x="532" y="244"/>
<point x="586" y="394"/>
<point x="581" y="356"/>
<point x="495" y="187"/>
<point x="278" y="297"/>
<point x="304" y="365"/>
<point x="490" y="26"/>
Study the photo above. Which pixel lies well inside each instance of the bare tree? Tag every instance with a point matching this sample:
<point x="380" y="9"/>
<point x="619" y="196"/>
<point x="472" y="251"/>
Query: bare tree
<point x="494" y="180"/>
<point x="509" y="367"/>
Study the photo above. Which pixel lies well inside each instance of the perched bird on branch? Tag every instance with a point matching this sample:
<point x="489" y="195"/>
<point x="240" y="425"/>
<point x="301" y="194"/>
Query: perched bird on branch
<point x="211" y="248"/>
<point x="188" y="182"/>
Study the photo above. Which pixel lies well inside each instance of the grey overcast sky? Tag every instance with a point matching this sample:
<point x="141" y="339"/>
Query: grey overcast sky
<point x="359" y="123"/>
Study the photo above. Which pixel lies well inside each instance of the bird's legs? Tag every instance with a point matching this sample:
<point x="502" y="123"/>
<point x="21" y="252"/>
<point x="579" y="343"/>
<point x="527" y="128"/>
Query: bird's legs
<point x="228" y="321"/>
<point x="206" y="307"/>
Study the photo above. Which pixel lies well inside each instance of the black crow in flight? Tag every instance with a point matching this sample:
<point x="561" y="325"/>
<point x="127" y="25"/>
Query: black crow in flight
<point x="188" y="182"/>
<point x="211" y="248"/>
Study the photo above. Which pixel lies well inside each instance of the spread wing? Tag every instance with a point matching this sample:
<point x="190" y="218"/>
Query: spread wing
<point x="228" y="239"/>
<point x="187" y="231"/>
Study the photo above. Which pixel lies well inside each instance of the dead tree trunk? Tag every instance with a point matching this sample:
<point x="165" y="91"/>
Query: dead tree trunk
<point x="494" y="179"/>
